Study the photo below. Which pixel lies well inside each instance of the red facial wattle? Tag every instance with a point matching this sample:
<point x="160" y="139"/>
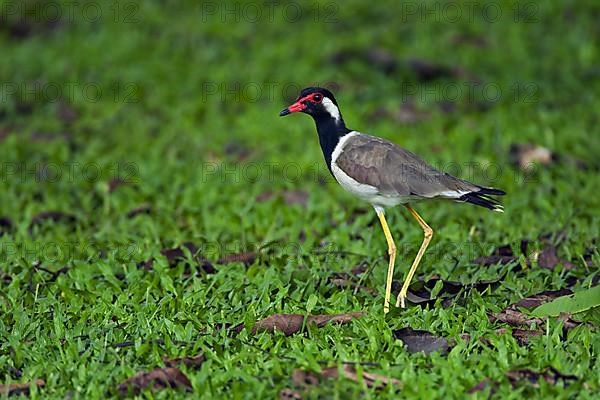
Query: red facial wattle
<point x="300" y="105"/>
<point x="297" y="106"/>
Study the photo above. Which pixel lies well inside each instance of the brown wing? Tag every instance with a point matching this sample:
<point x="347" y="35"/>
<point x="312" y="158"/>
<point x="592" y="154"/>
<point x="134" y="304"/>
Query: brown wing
<point x="396" y="171"/>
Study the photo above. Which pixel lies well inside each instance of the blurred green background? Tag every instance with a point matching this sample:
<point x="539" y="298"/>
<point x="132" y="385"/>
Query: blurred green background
<point x="128" y="127"/>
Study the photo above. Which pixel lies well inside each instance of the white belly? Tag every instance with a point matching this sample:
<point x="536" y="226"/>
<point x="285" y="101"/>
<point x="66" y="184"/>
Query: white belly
<point x="365" y="192"/>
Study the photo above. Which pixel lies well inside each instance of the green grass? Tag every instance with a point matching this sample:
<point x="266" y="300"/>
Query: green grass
<point x="186" y="113"/>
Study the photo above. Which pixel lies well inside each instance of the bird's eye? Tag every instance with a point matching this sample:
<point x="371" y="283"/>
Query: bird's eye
<point x="318" y="98"/>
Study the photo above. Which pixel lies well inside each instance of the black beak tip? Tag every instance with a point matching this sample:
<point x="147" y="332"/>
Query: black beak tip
<point x="284" y="112"/>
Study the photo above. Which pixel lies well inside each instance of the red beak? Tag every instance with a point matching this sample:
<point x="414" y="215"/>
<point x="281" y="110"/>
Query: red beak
<point x="297" y="106"/>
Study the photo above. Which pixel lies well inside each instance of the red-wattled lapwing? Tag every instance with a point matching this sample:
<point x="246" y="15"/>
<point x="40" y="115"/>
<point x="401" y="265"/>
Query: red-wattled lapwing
<point x="383" y="174"/>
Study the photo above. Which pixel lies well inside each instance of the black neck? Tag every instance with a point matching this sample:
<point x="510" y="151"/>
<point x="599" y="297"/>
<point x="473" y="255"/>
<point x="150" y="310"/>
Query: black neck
<point x="330" y="132"/>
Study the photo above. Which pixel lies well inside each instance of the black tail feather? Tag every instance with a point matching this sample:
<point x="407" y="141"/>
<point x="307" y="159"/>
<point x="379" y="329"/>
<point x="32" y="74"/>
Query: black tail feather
<point x="491" y="191"/>
<point x="481" y="198"/>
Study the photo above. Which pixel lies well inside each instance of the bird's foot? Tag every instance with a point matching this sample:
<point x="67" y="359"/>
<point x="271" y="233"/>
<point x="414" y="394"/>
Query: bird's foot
<point x="400" y="301"/>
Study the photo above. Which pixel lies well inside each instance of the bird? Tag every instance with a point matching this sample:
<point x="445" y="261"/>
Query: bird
<point x="385" y="175"/>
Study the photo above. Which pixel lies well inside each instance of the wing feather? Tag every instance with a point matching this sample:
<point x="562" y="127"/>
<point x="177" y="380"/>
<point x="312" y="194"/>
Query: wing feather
<point x="396" y="171"/>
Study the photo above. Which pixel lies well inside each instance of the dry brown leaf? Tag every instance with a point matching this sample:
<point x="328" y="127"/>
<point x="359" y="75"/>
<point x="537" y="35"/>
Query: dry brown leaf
<point x="289" y="324"/>
<point x="322" y="320"/>
<point x="417" y="340"/>
<point x="15" y="389"/>
<point x="65" y="112"/>
<point x="550" y="375"/>
<point x="526" y="156"/>
<point x="289" y="394"/>
<point x="419" y="291"/>
<point x="4" y="132"/>
<point x="494" y="259"/>
<point x="501" y="255"/>
<point x="545" y="258"/>
<point x="427" y="70"/>
<point x="514" y="317"/>
<point x="381" y="58"/>
<point x="237" y="151"/>
<point x="157" y="379"/>
<point x="45" y="136"/>
<point x="480" y="386"/>
<point x="374" y="380"/>
<point x="360" y="269"/>
<point x="190" y="362"/>
<point x="295" y="197"/>
<point x="304" y="379"/>
<point x="467" y="39"/>
<point x="542" y="297"/>
<point x="516" y="377"/>
<point x="178" y="254"/>
<point x="568" y="322"/>
<point x="286" y="323"/>
<point x="264" y="196"/>
<point x="115" y="183"/>
<point x="548" y="258"/>
<point x="29" y="23"/>
<point x="244" y="257"/>
<point x="344" y="280"/>
<point x="522" y="335"/>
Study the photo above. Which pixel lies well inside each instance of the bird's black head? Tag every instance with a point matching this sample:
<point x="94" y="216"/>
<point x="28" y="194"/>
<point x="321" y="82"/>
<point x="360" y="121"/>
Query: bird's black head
<point x="320" y="104"/>
<point x="317" y="102"/>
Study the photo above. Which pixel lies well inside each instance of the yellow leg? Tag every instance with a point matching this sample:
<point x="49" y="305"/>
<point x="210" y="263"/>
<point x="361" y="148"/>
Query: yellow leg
<point x="392" y="253"/>
<point x="428" y="234"/>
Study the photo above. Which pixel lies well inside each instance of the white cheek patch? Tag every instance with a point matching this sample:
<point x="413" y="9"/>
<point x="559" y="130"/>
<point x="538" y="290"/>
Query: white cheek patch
<point x="331" y="108"/>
